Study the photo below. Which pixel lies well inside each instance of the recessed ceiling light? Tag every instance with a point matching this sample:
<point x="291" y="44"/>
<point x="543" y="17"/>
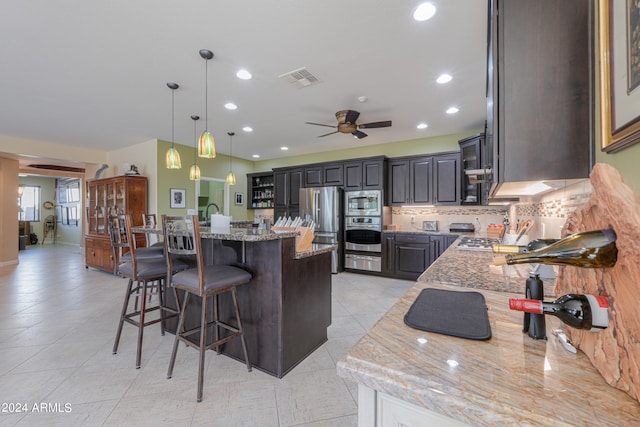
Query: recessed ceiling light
<point x="362" y="99"/>
<point x="444" y="78"/>
<point x="452" y="110"/>
<point x="230" y="106"/>
<point x="243" y="74"/>
<point x="422" y="126"/>
<point x="424" y="12"/>
<point x="247" y="129"/>
<point x="255" y="156"/>
<point x="284" y="148"/>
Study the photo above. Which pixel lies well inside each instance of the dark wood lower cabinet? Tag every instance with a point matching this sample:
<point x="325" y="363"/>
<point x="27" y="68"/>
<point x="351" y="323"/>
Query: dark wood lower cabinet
<point x="286" y="308"/>
<point x="408" y="255"/>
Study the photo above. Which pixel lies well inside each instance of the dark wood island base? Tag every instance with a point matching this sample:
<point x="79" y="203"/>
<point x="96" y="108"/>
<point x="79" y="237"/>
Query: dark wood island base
<point x="285" y="309"/>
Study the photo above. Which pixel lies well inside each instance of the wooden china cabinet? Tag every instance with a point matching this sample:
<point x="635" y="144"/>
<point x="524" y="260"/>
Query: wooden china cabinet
<point x="110" y="196"/>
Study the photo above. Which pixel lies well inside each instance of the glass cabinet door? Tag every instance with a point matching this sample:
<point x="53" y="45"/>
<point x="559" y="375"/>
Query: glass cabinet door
<point x="470" y="153"/>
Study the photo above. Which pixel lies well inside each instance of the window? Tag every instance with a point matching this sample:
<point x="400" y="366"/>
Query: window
<point x="29" y="203"/>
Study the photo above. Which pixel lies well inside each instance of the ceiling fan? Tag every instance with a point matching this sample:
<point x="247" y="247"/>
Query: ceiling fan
<point x="347" y="124"/>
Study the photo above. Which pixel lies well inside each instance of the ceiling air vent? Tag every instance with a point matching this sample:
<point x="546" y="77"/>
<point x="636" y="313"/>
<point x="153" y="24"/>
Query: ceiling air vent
<point x="300" y="77"/>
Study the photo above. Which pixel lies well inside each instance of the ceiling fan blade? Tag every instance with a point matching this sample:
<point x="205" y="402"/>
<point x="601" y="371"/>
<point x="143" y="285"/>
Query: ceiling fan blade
<point x="352" y="116"/>
<point x="359" y="134"/>
<point x="320" y="124"/>
<point x="327" y="134"/>
<point x="372" y="125"/>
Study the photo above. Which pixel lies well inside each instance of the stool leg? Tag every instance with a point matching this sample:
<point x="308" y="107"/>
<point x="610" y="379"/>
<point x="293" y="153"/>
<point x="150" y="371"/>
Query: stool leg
<point x="122" y="315"/>
<point x="143" y="308"/>
<point x="216" y="321"/>
<point x="234" y="295"/>
<point x="161" y="284"/>
<point x="203" y="346"/>
<point x="179" y="330"/>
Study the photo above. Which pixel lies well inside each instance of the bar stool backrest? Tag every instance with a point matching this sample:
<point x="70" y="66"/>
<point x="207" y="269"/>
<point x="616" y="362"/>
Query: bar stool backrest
<point x="148" y="221"/>
<point x="122" y="239"/>
<point x="182" y="238"/>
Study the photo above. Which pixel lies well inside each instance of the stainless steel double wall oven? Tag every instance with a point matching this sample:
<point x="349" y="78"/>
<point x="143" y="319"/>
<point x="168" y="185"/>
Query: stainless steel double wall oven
<point x="363" y="230"/>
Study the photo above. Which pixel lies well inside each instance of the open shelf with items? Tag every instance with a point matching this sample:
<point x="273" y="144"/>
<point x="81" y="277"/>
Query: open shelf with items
<point x="260" y="189"/>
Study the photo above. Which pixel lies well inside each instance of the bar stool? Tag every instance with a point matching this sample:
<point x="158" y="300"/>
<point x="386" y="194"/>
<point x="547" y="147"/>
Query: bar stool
<point x="149" y="221"/>
<point x="142" y="272"/>
<point x="182" y="237"/>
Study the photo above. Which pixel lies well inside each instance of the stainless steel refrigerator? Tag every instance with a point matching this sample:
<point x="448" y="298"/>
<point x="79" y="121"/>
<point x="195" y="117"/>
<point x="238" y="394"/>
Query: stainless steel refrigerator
<point x="323" y="205"/>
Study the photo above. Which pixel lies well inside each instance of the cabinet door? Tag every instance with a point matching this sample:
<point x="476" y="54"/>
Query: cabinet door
<point x="373" y="175"/>
<point x="295" y="184"/>
<point x="398" y="182"/>
<point x="421" y="181"/>
<point x="412" y="256"/>
<point x="447" y="179"/>
<point x="313" y="176"/>
<point x="333" y="174"/>
<point x="281" y="189"/>
<point x="353" y="176"/>
<point x="471" y="158"/>
<point x="388" y="253"/>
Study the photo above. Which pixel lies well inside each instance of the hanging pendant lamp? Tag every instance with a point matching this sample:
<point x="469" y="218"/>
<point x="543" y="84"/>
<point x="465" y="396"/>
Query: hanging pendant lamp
<point x="206" y="145"/>
<point x="173" y="157"/>
<point x="194" y="172"/>
<point x="231" y="178"/>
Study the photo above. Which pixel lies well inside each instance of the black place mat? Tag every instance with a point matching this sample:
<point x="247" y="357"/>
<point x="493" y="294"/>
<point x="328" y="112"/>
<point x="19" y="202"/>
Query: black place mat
<point x="460" y="314"/>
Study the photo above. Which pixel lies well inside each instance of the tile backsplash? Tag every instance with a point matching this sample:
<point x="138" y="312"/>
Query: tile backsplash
<point x="549" y="212"/>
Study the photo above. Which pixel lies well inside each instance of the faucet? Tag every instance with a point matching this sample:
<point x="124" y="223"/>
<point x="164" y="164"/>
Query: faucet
<point x="206" y="213"/>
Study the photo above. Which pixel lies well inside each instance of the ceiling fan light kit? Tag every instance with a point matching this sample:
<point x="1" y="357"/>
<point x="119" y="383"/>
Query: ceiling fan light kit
<point x="347" y="124"/>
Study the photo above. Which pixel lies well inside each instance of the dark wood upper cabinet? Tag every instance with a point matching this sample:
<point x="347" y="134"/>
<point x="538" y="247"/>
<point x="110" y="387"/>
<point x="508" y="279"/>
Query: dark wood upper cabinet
<point x="333" y="174"/>
<point x="425" y="180"/>
<point x="539" y="119"/>
<point x="365" y="174"/>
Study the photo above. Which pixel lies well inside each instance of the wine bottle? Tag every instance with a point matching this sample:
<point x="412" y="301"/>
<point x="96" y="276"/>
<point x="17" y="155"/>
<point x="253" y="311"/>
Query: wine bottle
<point x="515" y="249"/>
<point x="592" y="249"/>
<point x="578" y="311"/>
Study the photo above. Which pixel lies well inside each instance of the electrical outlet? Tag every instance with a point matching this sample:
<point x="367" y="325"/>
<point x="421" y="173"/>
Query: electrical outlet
<point x="413" y="220"/>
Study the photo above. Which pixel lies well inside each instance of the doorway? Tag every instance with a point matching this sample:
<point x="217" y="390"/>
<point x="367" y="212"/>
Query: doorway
<point x="212" y="192"/>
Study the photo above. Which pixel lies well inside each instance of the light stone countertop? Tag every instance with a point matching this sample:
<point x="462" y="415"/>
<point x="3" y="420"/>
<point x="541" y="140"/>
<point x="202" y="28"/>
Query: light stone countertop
<point x="248" y="235"/>
<point x="510" y="379"/>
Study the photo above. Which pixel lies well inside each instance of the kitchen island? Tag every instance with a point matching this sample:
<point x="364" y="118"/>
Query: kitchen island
<point x="410" y="377"/>
<point x="285" y="308"/>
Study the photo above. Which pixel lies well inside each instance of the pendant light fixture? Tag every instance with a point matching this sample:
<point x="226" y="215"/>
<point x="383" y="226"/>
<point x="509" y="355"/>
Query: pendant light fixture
<point x="194" y="172"/>
<point x="206" y="145"/>
<point x="231" y="178"/>
<point x="173" y="157"/>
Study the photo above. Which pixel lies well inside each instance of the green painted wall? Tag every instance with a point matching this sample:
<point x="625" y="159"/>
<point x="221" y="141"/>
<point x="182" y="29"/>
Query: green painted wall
<point x="217" y="167"/>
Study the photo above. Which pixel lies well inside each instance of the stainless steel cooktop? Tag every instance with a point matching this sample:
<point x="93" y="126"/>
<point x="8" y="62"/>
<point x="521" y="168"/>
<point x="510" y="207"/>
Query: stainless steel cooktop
<point x="477" y="243"/>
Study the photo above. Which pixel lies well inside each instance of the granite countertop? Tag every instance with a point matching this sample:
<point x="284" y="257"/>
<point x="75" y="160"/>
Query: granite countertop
<point x="510" y="379"/>
<point x="474" y="269"/>
<point x="420" y="231"/>
<point x="236" y="234"/>
<point x="316" y="249"/>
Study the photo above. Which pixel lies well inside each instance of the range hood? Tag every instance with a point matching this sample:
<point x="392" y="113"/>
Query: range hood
<point x="516" y="189"/>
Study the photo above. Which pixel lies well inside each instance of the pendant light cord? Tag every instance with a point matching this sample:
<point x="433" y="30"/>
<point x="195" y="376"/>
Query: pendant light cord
<point x="172" y="117"/>
<point x="206" y="95"/>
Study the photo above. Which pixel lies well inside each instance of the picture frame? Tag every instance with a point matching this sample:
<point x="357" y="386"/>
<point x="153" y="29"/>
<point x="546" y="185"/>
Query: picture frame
<point x="177" y="198"/>
<point x="619" y="79"/>
<point x="239" y="200"/>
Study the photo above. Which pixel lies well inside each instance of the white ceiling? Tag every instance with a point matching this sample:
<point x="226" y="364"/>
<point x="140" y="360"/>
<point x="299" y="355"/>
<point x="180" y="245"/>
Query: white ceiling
<point x="93" y="73"/>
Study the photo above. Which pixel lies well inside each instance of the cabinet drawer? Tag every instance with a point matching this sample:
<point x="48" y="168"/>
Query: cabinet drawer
<point x="411" y="238"/>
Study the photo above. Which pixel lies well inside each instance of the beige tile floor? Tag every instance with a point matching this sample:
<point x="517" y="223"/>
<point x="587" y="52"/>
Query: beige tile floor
<point x="57" y="324"/>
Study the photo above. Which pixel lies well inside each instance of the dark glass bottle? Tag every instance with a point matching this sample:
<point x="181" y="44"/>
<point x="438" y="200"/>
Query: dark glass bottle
<point x="578" y="311"/>
<point x="531" y="246"/>
<point x="591" y="249"/>
<point x="534" y="324"/>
